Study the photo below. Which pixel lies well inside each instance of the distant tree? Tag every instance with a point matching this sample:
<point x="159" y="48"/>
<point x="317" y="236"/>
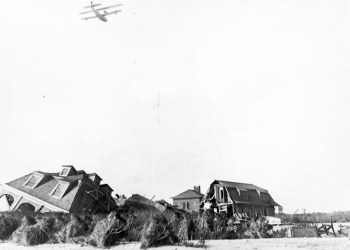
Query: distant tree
<point x="338" y="216"/>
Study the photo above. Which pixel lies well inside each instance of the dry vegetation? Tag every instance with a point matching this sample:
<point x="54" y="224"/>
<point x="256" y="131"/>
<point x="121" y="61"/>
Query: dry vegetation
<point x="148" y="227"/>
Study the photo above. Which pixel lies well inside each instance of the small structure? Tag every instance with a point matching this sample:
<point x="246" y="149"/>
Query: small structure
<point x="234" y="197"/>
<point x="66" y="191"/>
<point x="189" y="200"/>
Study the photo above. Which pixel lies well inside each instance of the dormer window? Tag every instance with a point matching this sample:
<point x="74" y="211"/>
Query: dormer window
<point x="59" y="190"/>
<point x="67" y="170"/>
<point x="95" y="178"/>
<point x="31" y="182"/>
<point x="64" y="172"/>
<point x="239" y="192"/>
<point x="265" y="197"/>
<point x="106" y="189"/>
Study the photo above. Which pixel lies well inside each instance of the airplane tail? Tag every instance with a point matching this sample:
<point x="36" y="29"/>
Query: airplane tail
<point x="92" y="5"/>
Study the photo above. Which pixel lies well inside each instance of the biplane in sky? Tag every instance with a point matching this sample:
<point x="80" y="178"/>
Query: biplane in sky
<point x="100" y="15"/>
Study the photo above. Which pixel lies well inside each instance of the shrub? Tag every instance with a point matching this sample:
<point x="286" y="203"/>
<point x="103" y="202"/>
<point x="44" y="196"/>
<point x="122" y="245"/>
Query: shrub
<point x="70" y="227"/>
<point x="157" y="232"/>
<point x="135" y="224"/>
<point x="108" y="231"/>
<point x="220" y="227"/>
<point x="31" y="233"/>
<point x="7" y="227"/>
<point x="249" y="230"/>
<point x="202" y="230"/>
<point x="183" y="231"/>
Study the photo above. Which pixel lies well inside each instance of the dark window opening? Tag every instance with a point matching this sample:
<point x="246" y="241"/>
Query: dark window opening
<point x="221" y="193"/>
<point x="265" y="212"/>
<point x="185" y="205"/>
<point x="26" y="207"/>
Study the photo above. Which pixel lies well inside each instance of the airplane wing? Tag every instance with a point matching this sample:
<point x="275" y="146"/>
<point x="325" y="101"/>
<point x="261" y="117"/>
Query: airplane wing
<point x="103" y="8"/>
<point x="107" y="7"/>
<point x="90" y="17"/>
<point x="112" y="12"/>
<point x="85" y="12"/>
<point x="111" y="6"/>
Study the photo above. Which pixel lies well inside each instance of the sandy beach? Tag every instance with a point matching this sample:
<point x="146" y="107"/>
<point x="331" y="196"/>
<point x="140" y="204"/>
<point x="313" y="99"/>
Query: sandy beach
<point x="262" y="244"/>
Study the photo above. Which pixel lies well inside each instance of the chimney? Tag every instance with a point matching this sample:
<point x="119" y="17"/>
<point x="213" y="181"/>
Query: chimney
<point x="197" y="188"/>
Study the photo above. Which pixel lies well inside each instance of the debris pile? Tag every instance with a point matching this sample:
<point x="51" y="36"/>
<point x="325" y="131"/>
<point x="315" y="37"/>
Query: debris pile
<point x="345" y="230"/>
<point x="137" y="202"/>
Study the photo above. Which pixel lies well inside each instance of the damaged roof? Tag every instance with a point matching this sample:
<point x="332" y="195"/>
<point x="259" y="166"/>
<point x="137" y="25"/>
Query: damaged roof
<point x="241" y="186"/>
<point x="254" y="193"/>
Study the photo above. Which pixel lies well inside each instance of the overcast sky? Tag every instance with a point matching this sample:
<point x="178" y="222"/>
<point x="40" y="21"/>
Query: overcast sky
<point x="171" y="94"/>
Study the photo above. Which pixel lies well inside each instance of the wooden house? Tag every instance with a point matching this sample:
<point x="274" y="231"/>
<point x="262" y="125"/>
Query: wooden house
<point x="233" y="197"/>
<point x="189" y="200"/>
<point x="66" y="191"/>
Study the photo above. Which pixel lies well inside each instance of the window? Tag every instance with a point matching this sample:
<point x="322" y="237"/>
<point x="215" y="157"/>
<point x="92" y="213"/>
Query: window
<point x="58" y="191"/>
<point x="64" y="171"/>
<point x="31" y="182"/>
<point x="265" y="212"/>
<point x="221" y="193"/>
<point x="185" y="205"/>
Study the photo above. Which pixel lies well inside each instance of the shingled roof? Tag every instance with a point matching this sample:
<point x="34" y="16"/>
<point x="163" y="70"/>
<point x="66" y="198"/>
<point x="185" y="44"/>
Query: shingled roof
<point x="241" y="186"/>
<point x="64" y="190"/>
<point x="189" y="194"/>
<point x="43" y="189"/>
<point x="254" y="193"/>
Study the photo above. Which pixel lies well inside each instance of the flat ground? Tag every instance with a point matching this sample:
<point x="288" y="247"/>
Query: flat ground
<point x="261" y="244"/>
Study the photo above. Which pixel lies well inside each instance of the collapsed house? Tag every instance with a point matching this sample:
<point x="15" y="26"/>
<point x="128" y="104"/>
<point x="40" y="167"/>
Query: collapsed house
<point x="66" y="191"/>
<point x="139" y="202"/>
<point x="237" y="198"/>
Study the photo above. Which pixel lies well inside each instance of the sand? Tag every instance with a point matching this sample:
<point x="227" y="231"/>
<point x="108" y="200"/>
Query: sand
<point x="261" y="244"/>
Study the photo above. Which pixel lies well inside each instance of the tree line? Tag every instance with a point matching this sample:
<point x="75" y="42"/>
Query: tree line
<point x="338" y="216"/>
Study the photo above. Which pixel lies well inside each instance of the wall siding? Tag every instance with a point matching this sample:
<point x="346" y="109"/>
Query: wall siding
<point x="193" y="203"/>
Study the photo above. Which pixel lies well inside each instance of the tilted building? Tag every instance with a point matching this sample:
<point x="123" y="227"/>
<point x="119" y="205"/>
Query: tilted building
<point x="234" y="197"/>
<point x="66" y="191"/>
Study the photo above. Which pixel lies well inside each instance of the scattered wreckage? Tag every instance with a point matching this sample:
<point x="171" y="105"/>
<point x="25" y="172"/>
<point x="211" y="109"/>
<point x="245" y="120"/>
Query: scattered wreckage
<point x="140" y="203"/>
